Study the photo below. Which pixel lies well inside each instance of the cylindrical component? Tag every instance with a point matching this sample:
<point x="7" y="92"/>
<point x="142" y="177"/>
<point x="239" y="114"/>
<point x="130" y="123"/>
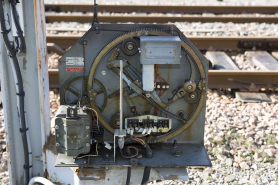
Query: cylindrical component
<point x="121" y="96"/>
<point x="40" y="180"/>
<point x="189" y="86"/>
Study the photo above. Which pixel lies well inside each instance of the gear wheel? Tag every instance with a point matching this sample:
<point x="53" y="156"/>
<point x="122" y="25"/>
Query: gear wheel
<point x="146" y="32"/>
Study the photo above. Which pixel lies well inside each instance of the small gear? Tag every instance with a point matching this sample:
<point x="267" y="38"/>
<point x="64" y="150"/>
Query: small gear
<point x="130" y="46"/>
<point x="192" y="97"/>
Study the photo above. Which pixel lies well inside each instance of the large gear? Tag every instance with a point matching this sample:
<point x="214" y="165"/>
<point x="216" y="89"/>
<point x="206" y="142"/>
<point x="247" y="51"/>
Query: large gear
<point x="146" y="32"/>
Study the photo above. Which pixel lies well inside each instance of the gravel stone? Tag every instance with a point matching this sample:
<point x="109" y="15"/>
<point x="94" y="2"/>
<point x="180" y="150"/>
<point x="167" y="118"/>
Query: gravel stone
<point x="230" y="178"/>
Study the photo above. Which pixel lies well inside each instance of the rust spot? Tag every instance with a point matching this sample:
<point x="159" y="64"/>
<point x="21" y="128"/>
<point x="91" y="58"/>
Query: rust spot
<point x="45" y="174"/>
<point x="91" y="174"/>
<point x="50" y="144"/>
<point x="24" y="63"/>
<point x="172" y="177"/>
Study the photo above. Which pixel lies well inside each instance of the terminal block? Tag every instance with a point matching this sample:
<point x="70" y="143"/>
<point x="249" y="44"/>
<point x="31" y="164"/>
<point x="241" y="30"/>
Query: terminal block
<point x="147" y="124"/>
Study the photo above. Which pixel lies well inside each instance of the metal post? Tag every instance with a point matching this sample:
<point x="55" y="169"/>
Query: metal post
<point x="34" y="72"/>
<point x="121" y="96"/>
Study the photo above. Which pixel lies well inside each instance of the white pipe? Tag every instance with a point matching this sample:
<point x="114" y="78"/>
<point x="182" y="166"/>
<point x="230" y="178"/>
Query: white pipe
<point x="41" y="180"/>
<point x="121" y="96"/>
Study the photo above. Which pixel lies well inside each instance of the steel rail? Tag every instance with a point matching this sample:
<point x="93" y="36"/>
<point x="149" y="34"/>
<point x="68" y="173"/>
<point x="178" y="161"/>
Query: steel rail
<point x="162" y="8"/>
<point x="202" y="43"/>
<point x="217" y="79"/>
<point x="50" y="18"/>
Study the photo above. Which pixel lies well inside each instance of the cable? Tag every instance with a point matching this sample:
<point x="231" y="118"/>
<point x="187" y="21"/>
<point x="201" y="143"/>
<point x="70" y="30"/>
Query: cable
<point x="146" y="175"/>
<point x="128" y="175"/>
<point x="89" y="154"/>
<point x="132" y="156"/>
<point x="22" y="47"/>
<point x="88" y="108"/>
<point x="20" y="94"/>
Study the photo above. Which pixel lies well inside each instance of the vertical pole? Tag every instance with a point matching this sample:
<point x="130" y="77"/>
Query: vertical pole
<point x="121" y="96"/>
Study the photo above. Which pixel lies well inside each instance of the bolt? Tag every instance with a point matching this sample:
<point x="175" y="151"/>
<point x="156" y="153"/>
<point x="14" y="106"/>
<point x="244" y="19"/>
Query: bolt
<point x="57" y="126"/>
<point x="130" y="47"/>
<point x="181" y="93"/>
<point x="163" y="86"/>
<point x="87" y="144"/>
<point x="74" y="136"/>
<point x="57" y="144"/>
<point x="167" y="86"/>
<point x="118" y="123"/>
<point x="177" y="153"/>
<point x="103" y="72"/>
<point x="139" y="156"/>
<point x="175" y="145"/>
<point x="85" y="162"/>
<point x="57" y="135"/>
<point x="109" y="65"/>
<point x="192" y="96"/>
<point x="189" y="87"/>
<point x="148" y="95"/>
<point x="87" y="127"/>
<point x="158" y="86"/>
<point x="71" y="141"/>
<point x="87" y="135"/>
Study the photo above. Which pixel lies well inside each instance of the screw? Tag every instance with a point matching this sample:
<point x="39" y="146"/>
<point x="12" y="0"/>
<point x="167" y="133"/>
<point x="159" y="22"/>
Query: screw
<point x="130" y="47"/>
<point x="177" y="153"/>
<point x="57" y="144"/>
<point x="103" y="72"/>
<point x="118" y="123"/>
<point x="192" y="96"/>
<point x="158" y="86"/>
<point x="87" y="144"/>
<point x="163" y="86"/>
<point x="57" y="126"/>
<point x="87" y="127"/>
<point x="175" y="145"/>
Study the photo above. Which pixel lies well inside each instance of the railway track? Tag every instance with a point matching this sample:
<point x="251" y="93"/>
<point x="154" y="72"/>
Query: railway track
<point x="217" y="79"/>
<point x="161" y="14"/>
<point x="202" y="43"/>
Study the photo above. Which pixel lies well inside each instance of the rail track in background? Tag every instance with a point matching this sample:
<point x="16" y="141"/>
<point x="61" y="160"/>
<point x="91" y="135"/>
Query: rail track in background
<point x="161" y="13"/>
<point x="235" y="79"/>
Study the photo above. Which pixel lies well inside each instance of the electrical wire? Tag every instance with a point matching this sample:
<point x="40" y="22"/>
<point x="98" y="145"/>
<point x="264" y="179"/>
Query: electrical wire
<point x="146" y="175"/>
<point x="91" y="109"/>
<point x="20" y="94"/>
<point x="128" y="175"/>
<point x="89" y="154"/>
<point x="132" y="156"/>
<point x="22" y="47"/>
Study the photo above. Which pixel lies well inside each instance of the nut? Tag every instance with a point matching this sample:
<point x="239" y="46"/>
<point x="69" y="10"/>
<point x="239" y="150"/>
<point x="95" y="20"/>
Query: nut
<point x="192" y="96"/>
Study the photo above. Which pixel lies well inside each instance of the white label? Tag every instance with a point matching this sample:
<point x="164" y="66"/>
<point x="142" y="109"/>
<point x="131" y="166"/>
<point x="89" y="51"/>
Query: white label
<point x="74" y="61"/>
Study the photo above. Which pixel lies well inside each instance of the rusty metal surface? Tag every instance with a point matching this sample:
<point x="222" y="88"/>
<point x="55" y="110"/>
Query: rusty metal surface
<point x="162" y="8"/>
<point x="202" y="43"/>
<point x="217" y="79"/>
<point x="242" y="79"/>
<point x="191" y="154"/>
<point x="159" y="19"/>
